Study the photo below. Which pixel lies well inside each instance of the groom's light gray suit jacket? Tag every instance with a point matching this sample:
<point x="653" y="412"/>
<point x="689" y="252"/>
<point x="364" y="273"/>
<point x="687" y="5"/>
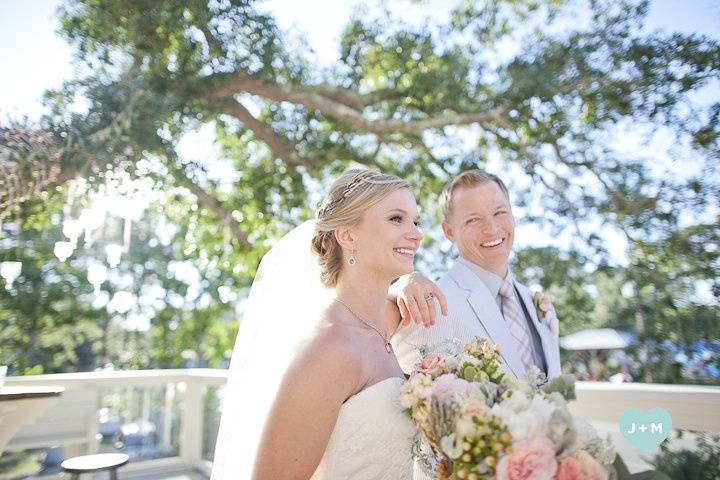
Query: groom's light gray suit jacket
<point x="473" y="311"/>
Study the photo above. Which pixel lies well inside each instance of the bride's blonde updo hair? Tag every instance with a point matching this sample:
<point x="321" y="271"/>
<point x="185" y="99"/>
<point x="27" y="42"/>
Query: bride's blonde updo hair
<point x="350" y="195"/>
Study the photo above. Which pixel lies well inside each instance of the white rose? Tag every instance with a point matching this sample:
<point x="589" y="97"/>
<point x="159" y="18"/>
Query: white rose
<point x="526" y="425"/>
<point x="528" y="418"/>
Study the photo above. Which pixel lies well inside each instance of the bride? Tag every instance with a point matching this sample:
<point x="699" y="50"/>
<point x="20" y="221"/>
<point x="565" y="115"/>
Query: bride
<point x="313" y="385"/>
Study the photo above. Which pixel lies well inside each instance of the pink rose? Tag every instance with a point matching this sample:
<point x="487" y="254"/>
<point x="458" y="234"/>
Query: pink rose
<point x="532" y="459"/>
<point x="473" y="409"/>
<point x="570" y="468"/>
<point x="449" y="385"/>
<point x="431" y="365"/>
<point x="592" y="469"/>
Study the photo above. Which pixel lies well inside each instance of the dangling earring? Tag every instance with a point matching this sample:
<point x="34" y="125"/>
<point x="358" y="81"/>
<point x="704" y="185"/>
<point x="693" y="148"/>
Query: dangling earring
<point x="351" y="260"/>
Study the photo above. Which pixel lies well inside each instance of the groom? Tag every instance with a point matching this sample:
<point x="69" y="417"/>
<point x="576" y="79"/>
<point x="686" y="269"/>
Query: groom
<point x="483" y="299"/>
<point x="479" y="292"/>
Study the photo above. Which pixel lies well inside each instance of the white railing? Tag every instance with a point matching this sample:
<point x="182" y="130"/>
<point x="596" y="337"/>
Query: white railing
<point x="691" y="407"/>
<point x="190" y="383"/>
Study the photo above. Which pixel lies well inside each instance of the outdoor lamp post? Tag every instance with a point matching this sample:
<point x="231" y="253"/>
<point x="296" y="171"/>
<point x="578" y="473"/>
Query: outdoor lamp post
<point x="10" y="271"/>
<point x="97" y="274"/>
<point x="113" y="252"/>
<point x="63" y="250"/>
<point x="72" y="228"/>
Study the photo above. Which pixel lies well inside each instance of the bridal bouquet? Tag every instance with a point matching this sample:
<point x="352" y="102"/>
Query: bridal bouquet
<point x="481" y="424"/>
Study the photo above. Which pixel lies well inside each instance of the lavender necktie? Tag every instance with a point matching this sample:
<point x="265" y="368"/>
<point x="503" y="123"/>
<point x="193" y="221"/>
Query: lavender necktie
<point x="515" y="320"/>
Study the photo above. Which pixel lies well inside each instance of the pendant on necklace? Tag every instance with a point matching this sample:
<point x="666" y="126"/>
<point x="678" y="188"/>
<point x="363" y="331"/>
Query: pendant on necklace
<point x="388" y="347"/>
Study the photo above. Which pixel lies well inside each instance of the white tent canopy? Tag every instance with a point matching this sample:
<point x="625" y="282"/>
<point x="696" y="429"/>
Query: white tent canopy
<point x="596" y="339"/>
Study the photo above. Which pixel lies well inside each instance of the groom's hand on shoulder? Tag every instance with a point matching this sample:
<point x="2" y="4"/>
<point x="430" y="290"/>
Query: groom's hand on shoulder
<point x="416" y="295"/>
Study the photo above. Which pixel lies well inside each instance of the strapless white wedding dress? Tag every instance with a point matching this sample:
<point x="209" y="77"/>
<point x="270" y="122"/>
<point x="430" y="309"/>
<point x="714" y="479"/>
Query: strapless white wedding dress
<point x="372" y="439"/>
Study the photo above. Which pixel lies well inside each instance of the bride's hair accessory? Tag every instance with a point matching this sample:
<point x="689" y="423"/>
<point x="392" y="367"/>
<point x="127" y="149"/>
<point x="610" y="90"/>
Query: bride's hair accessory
<point x="334" y="202"/>
<point x="338" y="196"/>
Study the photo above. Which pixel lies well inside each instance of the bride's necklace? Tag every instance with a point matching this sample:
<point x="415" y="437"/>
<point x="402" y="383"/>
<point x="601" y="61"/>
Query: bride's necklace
<point x="388" y="345"/>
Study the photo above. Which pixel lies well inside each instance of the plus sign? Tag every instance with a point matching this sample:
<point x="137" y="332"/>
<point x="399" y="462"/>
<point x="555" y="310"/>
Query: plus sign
<point x="643" y="428"/>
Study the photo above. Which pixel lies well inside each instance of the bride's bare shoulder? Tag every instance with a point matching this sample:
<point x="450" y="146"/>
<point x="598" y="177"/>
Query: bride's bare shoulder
<point x="336" y="340"/>
<point x="332" y="351"/>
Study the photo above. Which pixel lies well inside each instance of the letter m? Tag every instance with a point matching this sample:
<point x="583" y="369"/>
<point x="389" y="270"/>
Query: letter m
<point x="656" y="428"/>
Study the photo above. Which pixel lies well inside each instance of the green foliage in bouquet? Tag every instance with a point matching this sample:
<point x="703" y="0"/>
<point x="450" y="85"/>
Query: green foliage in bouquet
<point x="562" y="432"/>
<point x="442" y="423"/>
<point x="488" y="369"/>
<point x="476" y="457"/>
<point x="564" y="385"/>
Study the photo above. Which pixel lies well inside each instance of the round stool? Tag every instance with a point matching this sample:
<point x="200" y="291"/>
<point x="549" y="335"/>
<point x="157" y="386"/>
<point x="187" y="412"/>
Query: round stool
<point x="95" y="463"/>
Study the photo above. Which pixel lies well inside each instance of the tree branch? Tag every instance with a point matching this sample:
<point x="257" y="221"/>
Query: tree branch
<point x="440" y="163"/>
<point x="241" y="82"/>
<point x="31" y="162"/>
<point x="285" y="151"/>
<point x="588" y="166"/>
<point x="212" y="204"/>
<point x="351" y="98"/>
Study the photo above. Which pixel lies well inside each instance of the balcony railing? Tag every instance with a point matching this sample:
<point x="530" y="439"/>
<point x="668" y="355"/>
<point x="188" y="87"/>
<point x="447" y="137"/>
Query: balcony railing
<point x="169" y="417"/>
<point x="182" y="410"/>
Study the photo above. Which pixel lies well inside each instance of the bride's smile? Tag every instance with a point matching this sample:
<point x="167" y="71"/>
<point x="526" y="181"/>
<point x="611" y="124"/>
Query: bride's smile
<point x="406" y="252"/>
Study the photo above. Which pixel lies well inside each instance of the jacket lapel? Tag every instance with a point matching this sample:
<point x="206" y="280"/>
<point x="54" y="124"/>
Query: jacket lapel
<point x="488" y="314"/>
<point x="549" y="341"/>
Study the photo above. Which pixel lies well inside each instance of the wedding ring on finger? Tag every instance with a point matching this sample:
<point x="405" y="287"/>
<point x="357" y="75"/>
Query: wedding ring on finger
<point x="429" y="296"/>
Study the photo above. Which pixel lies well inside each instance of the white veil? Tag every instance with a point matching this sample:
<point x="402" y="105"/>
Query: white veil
<point x="282" y="309"/>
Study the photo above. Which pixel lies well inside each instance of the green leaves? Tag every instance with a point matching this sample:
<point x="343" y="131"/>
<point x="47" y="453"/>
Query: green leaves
<point x="563" y="384"/>
<point x="558" y="102"/>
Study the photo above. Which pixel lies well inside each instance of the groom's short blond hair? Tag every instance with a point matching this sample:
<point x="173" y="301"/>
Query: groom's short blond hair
<point x="467" y="179"/>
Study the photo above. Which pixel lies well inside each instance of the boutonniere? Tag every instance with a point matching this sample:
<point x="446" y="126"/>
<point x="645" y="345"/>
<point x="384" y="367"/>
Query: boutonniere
<point x="546" y="311"/>
<point x="543" y="304"/>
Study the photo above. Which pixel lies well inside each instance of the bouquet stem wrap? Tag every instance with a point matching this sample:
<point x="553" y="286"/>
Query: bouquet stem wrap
<point x="444" y="469"/>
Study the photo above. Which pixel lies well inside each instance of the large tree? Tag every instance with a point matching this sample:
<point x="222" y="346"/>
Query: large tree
<point x="543" y="90"/>
<point x="157" y="70"/>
